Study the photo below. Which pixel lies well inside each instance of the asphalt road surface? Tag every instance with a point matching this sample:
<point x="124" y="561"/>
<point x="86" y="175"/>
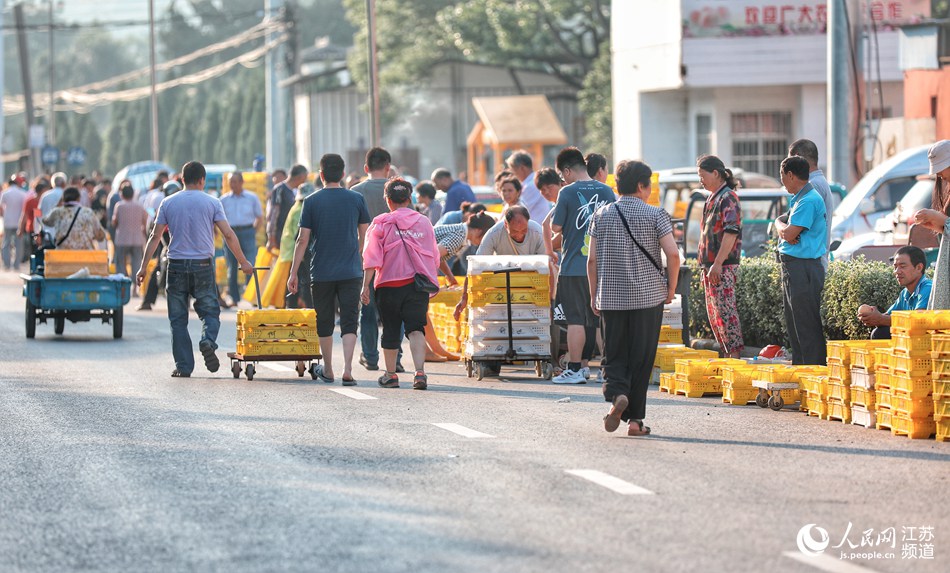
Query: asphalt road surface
<point x="109" y="464"/>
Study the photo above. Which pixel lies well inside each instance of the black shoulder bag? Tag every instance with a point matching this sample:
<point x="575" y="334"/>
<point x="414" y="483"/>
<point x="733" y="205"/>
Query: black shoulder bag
<point x="421" y="282"/>
<point x="635" y="242"/>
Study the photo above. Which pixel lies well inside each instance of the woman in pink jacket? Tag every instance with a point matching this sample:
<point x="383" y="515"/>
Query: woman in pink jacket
<point x="400" y="245"/>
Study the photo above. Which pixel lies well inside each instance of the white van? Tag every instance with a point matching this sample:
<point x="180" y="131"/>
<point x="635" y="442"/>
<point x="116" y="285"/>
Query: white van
<point x="878" y="192"/>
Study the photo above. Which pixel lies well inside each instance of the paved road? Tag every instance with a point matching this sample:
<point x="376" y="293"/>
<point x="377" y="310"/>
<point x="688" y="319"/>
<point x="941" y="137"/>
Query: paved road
<point x="107" y="463"/>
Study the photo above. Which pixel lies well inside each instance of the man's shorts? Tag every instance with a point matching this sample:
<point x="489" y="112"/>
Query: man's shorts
<point x="327" y="295"/>
<point x="573" y="293"/>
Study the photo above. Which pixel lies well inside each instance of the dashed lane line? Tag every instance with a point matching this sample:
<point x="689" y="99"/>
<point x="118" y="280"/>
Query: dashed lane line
<point x="462" y="430"/>
<point x="352" y="394"/>
<point x="827" y="563"/>
<point x="610" y="482"/>
<point x="276" y="367"/>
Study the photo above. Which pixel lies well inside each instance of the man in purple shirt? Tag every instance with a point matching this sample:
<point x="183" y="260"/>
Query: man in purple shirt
<point x="456" y="192"/>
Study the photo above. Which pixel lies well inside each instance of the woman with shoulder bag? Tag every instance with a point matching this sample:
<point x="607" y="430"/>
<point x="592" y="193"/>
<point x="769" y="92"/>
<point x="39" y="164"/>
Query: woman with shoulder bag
<point x="401" y="258"/>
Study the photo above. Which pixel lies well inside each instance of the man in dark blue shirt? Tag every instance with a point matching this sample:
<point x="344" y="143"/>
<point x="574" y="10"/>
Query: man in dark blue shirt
<point x="456" y="192"/>
<point x="336" y="220"/>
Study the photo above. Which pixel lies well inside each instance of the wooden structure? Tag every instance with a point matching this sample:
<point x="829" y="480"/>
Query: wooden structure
<point x="506" y="124"/>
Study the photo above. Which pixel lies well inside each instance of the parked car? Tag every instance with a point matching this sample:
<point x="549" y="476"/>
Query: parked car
<point x="760" y="207"/>
<point x="878" y="192"/>
<point x="677" y="186"/>
<point x="141" y="174"/>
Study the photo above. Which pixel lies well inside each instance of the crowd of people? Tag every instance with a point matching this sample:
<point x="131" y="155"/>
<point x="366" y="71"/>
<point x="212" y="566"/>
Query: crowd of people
<point x="368" y="249"/>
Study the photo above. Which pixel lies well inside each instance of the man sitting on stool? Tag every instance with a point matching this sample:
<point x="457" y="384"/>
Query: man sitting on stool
<point x="909" y="265"/>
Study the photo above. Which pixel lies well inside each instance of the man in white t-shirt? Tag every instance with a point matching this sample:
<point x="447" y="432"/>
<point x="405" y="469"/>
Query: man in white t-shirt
<point x="11" y="206"/>
<point x="521" y="164"/>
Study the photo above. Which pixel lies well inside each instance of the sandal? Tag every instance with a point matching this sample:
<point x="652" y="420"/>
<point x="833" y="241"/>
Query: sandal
<point x="612" y="419"/>
<point x="323" y="376"/>
<point x="641" y="430"/>
<point x="388" y="380"/>
<point x="349" y="381"/>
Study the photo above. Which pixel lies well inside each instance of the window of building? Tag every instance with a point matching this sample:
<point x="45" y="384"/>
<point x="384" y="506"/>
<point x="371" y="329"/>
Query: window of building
<point x="760" y="140"/>
<point x="703" y="134"/>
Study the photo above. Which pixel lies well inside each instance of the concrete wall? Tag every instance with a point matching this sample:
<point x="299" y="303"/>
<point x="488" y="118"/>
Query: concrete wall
<point x="920" y="87"/>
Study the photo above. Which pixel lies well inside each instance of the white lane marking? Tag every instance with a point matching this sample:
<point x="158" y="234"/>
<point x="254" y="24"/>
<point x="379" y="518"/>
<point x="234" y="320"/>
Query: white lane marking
<point x="610" y="482"/>
<point x="461" y="430"/>
<point x="276" y="367"/>
<point x="352" y="394"/>
<point x="827" y="563"/>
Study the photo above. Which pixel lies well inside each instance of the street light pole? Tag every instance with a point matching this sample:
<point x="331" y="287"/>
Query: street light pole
<point x="156" y="156"/>
<point x="375" y="129"/>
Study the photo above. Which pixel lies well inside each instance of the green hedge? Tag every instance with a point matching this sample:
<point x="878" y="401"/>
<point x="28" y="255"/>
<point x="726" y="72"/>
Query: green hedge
<point x="848" y="285"/>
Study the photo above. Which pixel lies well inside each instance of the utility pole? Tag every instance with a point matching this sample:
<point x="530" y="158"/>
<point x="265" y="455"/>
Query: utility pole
<point x="51" y="113"/>
<point x="275" y="96"/>
<point x="156" y="155"/>
<point x="375" y="130"/>
<point x="3" y="133"/>
<point x="27" y="85"/>
<point x="839" y="97"/>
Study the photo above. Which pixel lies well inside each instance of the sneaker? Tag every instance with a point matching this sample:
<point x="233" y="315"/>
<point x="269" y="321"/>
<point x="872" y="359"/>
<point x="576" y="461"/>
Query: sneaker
<point x="388" y="380"/>
<point x="600" y="376"/>
<point x="570" y="377"/>
<point x="421" y="381"/>
<point x="585" y="372"/>
<point x="372" y="366"/>
<point x="179" y="374"/>
<point x="207" y="351"/>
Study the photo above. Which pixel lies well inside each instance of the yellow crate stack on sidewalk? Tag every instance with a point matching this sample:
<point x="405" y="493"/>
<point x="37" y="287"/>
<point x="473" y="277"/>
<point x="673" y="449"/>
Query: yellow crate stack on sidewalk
<point x="451" y="333"/>
<point x="695" y="378"/>
<point x="488" y="331"/>
<point x="838" y="396"/>
<point x="291" y="332"/>
<point x="940" y="354"/>
<point x="665" y="362"/>
<point x="906" y="406"/>
<point x="864" y="362"/>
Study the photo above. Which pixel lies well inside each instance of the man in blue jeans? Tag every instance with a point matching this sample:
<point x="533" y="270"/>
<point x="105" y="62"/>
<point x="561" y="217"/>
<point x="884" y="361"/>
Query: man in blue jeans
<point x="191" y="217"/>
<point x="243" y="211"/>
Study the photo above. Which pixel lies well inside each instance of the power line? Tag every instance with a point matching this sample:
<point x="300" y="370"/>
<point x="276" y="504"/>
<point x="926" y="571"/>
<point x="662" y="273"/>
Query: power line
<point x="65" y="27"/>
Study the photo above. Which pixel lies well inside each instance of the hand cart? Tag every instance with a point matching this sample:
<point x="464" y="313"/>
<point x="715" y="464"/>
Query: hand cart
<point x="304" y="362"/>
<point x="76" y="300"/>
<point x="770" y="393"/>
<point x="478" y="366"/>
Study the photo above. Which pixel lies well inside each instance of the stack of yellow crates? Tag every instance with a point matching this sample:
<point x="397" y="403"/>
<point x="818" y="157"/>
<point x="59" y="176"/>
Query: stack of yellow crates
<point x="863" y="378"/>
<point x="910" y="401"/>
<point x="267" y="333"/>
<point x="737" y="386"/>
<point x="696" y="377"/>
<point x="940" y="353"/>
<point x="669" y="334"/>
<point x="882" y="388"/>
<point x="488" y="331"/>
<point x="667" y="355"/>
<point x="814" y="398"/>
<point x="783" y="374"/>
<point x="839" y="380"/>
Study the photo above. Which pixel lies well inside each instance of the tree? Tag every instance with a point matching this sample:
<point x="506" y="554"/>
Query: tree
<point x="208" y="129"/>
<point x="596" y="105"/>
<point x="86" y="135"/>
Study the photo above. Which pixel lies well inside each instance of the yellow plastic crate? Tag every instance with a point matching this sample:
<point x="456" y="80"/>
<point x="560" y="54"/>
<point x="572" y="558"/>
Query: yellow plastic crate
<point x="882" y="377"/>
<point x="840" y="372"/>
<point x="907" y="322"/>
<point x="61" y="263"/>
<point x="863" y="397"/>
<point x="839" y="411"/>
<point x="257" y="333"/>
<point x="279" y="348"/>
<point x="942" y="408"/>
<point x="447" y="296"/>
<point x="942" y="429"/>
<point x="940" y="345"/>
<point x="913" y="428"/>
<point x="739" y="376"/>
<point x="817" y="406"/>
<point x="866" y="357"/>
<point x="914" y="345"/>
<point x="698" y="387"/>
<point x="282" y="317"/>
<point x="815" y="385"/>
<point x="666" y="357"/>
<point x="775" y="373"/>
<point x="738" y="396"/>
<point x="910" y="366"/>
<point x="668" y="334"/>
<point x="883" y="397"/>
<point x="941" y="388"/>
<point x="885" y="419"/>
<point x="940" y="368"/>
<point x="837" y="391"/>
<point x="704" y="367"/>
<point x="913" y="386"/>
<point x="800" y="371"/>
<point x="518" y="296"/>
<point x="523" y="279"/>
<point x="667" y="379"/>
<point x="880" y="356"/>
<point x="911" y="407"/>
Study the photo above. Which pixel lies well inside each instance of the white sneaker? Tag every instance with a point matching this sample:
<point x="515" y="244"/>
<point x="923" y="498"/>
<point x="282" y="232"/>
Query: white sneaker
<point x="585" y="372"/>
<point x="600" y="377"/>
<point x="569" y="377"/>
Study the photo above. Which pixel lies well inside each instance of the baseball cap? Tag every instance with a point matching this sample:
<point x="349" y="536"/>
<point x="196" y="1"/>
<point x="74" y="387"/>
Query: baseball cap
<point x="939" y="156"/>
<point x="18" y="179"/>
<point x="170" y="187"/>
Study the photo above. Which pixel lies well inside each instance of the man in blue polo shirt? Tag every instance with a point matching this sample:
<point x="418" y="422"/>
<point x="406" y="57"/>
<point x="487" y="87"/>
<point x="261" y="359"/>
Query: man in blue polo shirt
<point x="802" y="243"/>
<point x="909" y="266"/>
<point x="456" y="191"/>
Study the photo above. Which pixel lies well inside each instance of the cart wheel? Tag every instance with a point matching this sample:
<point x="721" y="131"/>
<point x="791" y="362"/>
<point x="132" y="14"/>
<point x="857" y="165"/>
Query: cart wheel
<point x="480" y="370"/>
<point x="538" y="369"/>
<point x="313" y="371"/>
<point x="236" y="369"/>
<point x="249" y="371"/>
<point x="762" y="399"/>
<point x="117" y="322"/>
<point x="469" y="369"/>
<point x="301" y="368"/>
<point x="59" y="324"/>
<point x="548" y="371"/>
<point x="562" y="361"/>
<point x="776" y="402"/>
<point x="30" y="319"/>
